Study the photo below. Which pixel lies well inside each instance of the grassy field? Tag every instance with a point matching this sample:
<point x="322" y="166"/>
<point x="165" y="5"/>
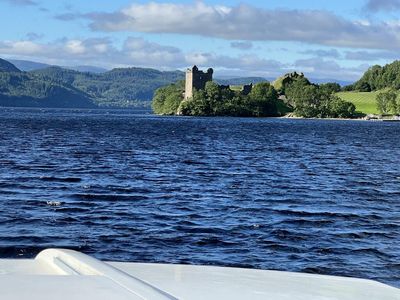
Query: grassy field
<point x="236" y="88"/>
<point x="365" y="102"/>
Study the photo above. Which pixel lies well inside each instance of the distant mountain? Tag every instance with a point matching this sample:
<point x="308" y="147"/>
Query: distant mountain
<point x="90" y="69"/>
<point x="22" y="89"/>
<point x="239" y="80"/>
<point x="123" y="87"/>
<point x="26" y="65"/>
<point x="6" y="66"/>
<point x="325" y="80"/>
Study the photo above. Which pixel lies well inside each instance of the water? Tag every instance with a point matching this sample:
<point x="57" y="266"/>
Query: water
<point x="298" y="195"/>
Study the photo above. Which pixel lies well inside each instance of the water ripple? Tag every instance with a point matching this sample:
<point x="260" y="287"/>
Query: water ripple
<point x="309" y="196"/>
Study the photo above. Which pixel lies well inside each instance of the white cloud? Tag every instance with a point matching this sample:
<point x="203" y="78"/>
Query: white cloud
<point x="97" y="51"/>
<point x="139" y="52"/>
<point x="327" y="69"/>
<point x="333" y="53"/>
<point x="242" y="45"/>
<point x="75" y="47"/>
<point x="245" y="22"/>
<point x="101" y="48"/>
<point x="371" y="55"/>
<point x="22" y="47"/>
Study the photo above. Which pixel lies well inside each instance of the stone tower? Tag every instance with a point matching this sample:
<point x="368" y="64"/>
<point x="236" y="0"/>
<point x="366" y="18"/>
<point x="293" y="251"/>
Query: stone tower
<point x="196" y="79"/>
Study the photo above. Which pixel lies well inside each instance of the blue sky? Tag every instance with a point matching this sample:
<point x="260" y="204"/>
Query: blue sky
<point x="324" y="39"/>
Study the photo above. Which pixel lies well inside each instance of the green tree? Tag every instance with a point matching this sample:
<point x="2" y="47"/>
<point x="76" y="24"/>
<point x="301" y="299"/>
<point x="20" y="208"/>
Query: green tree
<point x="305" y="98"/>
<point x="397" y="106"/>
<point x="378" y="78"/>
<point x="386" y="102"/>
<point x="167" y="99"/>
<point x="313" y="101"/>
<point x="340" y="108"/>
<point x="263" y="100"/>
<point x="330" y="87"/>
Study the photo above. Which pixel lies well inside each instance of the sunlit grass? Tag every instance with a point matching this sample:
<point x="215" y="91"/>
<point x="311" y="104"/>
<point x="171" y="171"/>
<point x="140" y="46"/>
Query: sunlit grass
<point x="365" y="102"/>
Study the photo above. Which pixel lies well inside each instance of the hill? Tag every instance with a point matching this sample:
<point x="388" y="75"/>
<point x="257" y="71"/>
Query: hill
<point x="6" y="66"/>
<point x="27" y="65"/>
<point x="89" y="69"/>
<point x="20" y="89"/>
<point x="124" y="87"/>
<point x="281" y="82"/>
<point x="363" y="93"/>
<point x="239" y="80"/>
<point x="378" y="78"/>
<point x="330" y="80"/>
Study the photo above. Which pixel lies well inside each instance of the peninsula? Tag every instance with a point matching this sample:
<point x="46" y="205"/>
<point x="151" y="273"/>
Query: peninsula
<point x="199" y="95"/>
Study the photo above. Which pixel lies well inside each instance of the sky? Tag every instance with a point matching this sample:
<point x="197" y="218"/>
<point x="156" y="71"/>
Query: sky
<point x="324" y="39"/>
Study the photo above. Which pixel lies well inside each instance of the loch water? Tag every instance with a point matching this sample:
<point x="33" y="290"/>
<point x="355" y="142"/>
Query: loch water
<point x="316" y="196"/>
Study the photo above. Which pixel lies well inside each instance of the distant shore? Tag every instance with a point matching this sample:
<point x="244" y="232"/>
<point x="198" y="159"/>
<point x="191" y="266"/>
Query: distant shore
<point x="374" y="118"/>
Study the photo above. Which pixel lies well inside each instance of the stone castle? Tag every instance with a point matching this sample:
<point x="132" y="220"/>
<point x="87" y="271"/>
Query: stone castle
<point x="197" y="79"/>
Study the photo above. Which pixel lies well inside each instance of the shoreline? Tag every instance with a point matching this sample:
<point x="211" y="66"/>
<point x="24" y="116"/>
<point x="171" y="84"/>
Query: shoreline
<point x="148" y="111"/>
<point x="393" y="119"/>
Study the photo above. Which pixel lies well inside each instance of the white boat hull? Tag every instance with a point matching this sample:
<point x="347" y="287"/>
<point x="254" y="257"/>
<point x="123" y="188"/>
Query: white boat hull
<point x="66" y="274"/>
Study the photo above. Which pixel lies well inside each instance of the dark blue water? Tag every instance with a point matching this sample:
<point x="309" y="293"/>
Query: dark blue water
<point x="299" y="195"/>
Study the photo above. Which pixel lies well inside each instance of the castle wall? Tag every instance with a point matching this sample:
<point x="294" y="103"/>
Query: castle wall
<point x="196" y="79"/>
<point x="247" y="89"/>
<point x="189" y="84"/>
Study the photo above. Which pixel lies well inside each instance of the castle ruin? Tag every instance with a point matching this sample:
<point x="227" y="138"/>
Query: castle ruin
<point x="196" y="80"/>
<point x="246" y="89"/>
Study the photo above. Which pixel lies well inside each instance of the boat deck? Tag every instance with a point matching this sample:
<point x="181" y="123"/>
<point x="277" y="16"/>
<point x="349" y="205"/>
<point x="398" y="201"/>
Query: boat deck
<point x="66" y="274"/>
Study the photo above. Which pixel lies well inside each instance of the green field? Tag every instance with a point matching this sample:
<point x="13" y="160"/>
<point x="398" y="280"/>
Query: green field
<point x="365" y="102"/>
<point x="236" y="88"/>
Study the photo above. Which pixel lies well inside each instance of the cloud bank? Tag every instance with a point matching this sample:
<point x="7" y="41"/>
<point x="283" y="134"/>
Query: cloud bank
<point x="136" y="51"/>
<point x="247" y="23"/>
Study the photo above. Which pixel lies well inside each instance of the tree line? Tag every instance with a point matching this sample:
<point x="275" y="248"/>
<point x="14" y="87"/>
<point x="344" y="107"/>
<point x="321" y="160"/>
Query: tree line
<point x="378" y="78"/>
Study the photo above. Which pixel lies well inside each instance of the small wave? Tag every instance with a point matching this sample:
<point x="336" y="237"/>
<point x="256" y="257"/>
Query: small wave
<point x="215" y="241"/>
<point x="60" y="179"/>
<point x="192" y="162"/>
<point x="54" y="203"/>
<point x="110" y="197"/>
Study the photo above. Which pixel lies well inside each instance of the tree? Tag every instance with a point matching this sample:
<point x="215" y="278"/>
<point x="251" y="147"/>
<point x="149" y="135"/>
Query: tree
<point x="363" y="87"/>
<point x="330" y="87"/>
<point x="340" y="108"/>
<point x="397" y="106"/>
<point x="305" y="97"/>
<point x="378" y="78"/>
<point x="213" y="91"/>
<point x="167" y="99"/>
<point x="263" y="100"/>
<point x="313" y="101"/>
<point x="386" y="102"/>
